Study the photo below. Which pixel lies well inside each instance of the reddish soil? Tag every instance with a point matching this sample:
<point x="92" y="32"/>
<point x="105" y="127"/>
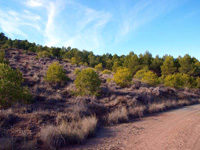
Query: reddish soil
<point x="174" y="130"/>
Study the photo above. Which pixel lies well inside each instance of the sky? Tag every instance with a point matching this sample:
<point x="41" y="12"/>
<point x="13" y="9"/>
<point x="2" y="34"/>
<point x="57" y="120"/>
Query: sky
<point x="106" y="26"/>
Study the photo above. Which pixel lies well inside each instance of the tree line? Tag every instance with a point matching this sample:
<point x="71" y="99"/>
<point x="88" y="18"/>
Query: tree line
<point x="162" y="67"/>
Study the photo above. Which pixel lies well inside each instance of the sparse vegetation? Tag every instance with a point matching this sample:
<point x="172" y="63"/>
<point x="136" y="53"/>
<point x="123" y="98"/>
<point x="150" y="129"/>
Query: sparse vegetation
<point x="87" y="82"/>
<point x="122" y="77"/>
<point x="106" y="71"/>
<point x="98" y="67"/>
<point x="117" y="116"/>
<point x="56" y="73"/>
<point x="68" y="133"/>
<point x="150" y="78"/>
<point x="11" y="90"/>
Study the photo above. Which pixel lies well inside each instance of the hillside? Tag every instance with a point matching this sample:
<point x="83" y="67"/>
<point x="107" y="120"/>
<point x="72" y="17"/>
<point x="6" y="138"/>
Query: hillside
<point x="22" y="125"/>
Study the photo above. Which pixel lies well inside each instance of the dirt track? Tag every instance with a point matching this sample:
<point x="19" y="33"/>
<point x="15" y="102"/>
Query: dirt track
<point x="175" y="130"/>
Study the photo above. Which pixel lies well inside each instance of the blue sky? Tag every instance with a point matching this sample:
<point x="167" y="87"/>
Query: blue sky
<point x="113" y="26"/>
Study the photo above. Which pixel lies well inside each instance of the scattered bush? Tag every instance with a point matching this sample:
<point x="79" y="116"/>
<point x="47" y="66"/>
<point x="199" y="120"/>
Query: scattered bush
<point x="189" y="81"/>
<point x="153" y="108"/>
<point x="150" y="78"/>
<point x="74" y="61"/>
<point x="106" y="71"/>
<point x="174" y="80"/>
<point x="117" y="116"/>
<point x="87" y="82"/>
<point x="68" y="133"/>
<point x="108" y="80"/>
<point x="42" y="54"/>
<point x="56" y="73"/>
<point x="140" y="74"/>
<point x="98" y="67"/>
<point x="180" y="80"/>
<point x="198" y="82"/>
<point x="11" y="90"/>
<point x="122" y="77"/>
<point x="2" y="57"/>
<point x="77" y="71"/>
<point x="136" y="111"/>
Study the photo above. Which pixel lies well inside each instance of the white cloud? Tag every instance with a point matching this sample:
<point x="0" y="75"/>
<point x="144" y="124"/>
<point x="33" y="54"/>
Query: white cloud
<point x="12" y="22"/>
<point x="88" y="28"/>
<point x="34" y="3"/>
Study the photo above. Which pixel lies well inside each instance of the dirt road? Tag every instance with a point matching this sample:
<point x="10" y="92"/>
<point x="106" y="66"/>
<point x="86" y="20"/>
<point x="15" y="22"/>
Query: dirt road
<point x="175" y="130"/>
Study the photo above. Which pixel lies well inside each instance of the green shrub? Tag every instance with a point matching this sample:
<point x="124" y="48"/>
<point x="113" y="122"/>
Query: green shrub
<point x="98" y="67"/>
<point x="106" y="71"/>
<point x="140" y="74"/>
<point x="174" y="80"/>
<point x="122" y="77"/>
<point x="74" y="61"/>
<point x="77" y="71"/>
<point x="85" y="64"/>
<point x="108" y="80"/>
<point x="2" y="58"/>
<point x="161" y="79"/>
<point x="55" y="73"/>
<point x="11" y="90"/>
<point x="42" y="54"/>
<point x="189" y="81"/>
<point x="198" y="82"/>
<point x="150" y="78"/>
<point x="87" y="82"/>
<point x="179" y="80"/>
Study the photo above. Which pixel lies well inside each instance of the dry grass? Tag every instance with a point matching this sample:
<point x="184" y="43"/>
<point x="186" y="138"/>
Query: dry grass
<point x="117" y="116"/>
<point x="184" y="102"/>
<point x="137" y="111"/>
<point x="6" y="143"/>
<point x="170" y="104"/>
<point x="68" y="133"/>
<point x="157" y="107"/>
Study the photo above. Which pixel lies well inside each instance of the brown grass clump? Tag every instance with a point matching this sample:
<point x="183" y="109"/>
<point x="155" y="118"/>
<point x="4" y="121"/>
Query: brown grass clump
<point x="170" y="104"/>
<point x="137" y="111"/>
<point x="6" y="143"/>
<point x="68" y="133"/>
<point x="183" y="102"/>
<point x="7" y="118"/>
<point x="117" y="116"/>
<point x="157" y="107"/>
<point x="51" y="136"/>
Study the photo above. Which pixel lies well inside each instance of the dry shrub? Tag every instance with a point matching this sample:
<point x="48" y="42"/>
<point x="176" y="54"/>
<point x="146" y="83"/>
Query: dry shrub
<point x="120" y="100"/>
<point x="51" y="136"/>
<point x="117" y="116"/>
<point x="170" y="104"/>
<point x="137" y="111"/>
<point x="7" y="118"/>
<point x="74" y="113"/>
<point x="29" y="145"/>
<point x="183" y="102"/>
<point x="6" y="143"/>
<point x="68" y="133"/>
<point x="153" y="108"/>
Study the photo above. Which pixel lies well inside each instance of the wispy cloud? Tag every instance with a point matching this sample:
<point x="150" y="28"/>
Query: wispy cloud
<point x="82" y="28"/>
<point x="88" y="27"/>
<point x="73" y="23"/>
<point x="35" y="3"/>
<point x="11" y="22"/>
<point x="144" y="12"/>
